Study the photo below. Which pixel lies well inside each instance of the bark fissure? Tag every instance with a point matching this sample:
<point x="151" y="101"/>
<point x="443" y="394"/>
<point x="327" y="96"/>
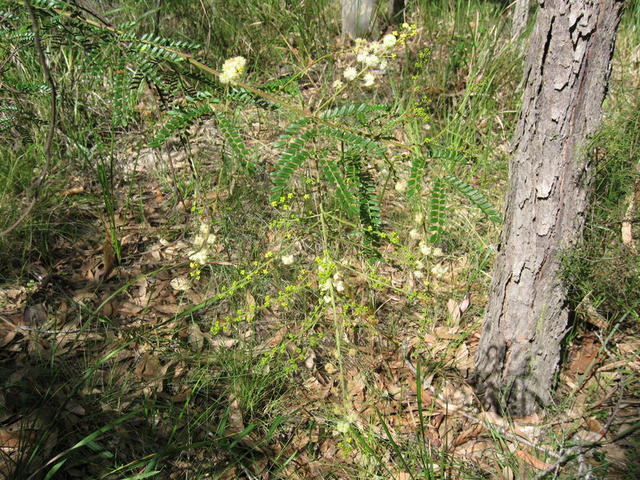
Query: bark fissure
<point x="527" y="315"/>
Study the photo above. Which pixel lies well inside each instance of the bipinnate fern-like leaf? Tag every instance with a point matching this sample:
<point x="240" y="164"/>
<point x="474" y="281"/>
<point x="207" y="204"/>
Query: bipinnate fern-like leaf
<point x="416" y="174"/>
<point x="448" y="154"/>
<point x="291" y="159"/>
<point x="156" y="40"/>
<point x="367" y="197"/>
<point x="291" y="131"/>
<point x="234" y="139"/>
<point x="436" y="210"/>
<point x="418" y="163"/>
<point x="353" y="140"/>
<point x="8" y="117"/>
<point x="49" y="4"/>
<point x="179" y="120"/>
<point x="352" y="110"/>
<point x="354" y="191"/>
<point x="333" y="176"/>
<point x="242" y="96"/>
<point x="476" y="198"/>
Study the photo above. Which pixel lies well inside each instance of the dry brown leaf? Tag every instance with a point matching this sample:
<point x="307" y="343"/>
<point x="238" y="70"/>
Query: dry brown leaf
<point x="277" y="338"/>
<point x="221" y="341"/>
<point x="127" y="308"/>
<point x="463" y="359"/>
<point x="491" y="418"/>
<point x="428" y="339"/>
<point x="465" y="304"/>
<point x="614" y="452"/>
<point x="595" y="425"/>
<point x="151" y="372"/>
<point x="533" y="419"/>
<point x="458" y="395"/>
<point x="402" y="476"/>
<point x="329" y="368"/>
<point x="300" y="440"/>
<point x="73" y="191"/>
<point x="6" y="337"/>
<point x="34" y="315"/>
<point x="585" y="356"/>
<point x="588" y="436"/>
<point x="507" y="473"/>
<point x="626" y="231"/>
<point x="531" y="460"/>
<point x="9" y="439"/>
<point x="195" y="338"/>
<point x="627" y="235"/>
<point x="251" y="306"/>
<point x="469" y="434"/>
<point x="472" y="449"/>
<point x="317" y="390"/>
<point x="427" y="396"/>
<point x="180" y="284"/>
<point x="235" y="421"/>
<point x="454" y="312"/>
<point x="629" y="346"/>
<point x="310" y="361"/>
<point x="169" y="308"/>
<point x="447" y="333"/>
<point x="588" y="311"/>
<point x="108" y="261"/>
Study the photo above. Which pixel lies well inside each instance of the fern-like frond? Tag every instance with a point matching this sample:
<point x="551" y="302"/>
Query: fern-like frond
<point x="476" y="198"/>
<point x="242" y="96"/>
<point x="291" y="131"/>
<point x="49" y="4"/>
<point x="436" y="210"/>
<point x="416" y="174"/>
<point x="179" y="120"/>
<point x="333" y="176"/>
<point x="235" y="141"/>
<point x="159" y="53"/>
<point x="354" y="141"/>
<point x="448" y="154"/>
<point x="291" y="160"/>
<point x="168" y="43"/>
<point x="368" y="201"/>
<point x="8" y="117"/>
<point x="351" y="110"/>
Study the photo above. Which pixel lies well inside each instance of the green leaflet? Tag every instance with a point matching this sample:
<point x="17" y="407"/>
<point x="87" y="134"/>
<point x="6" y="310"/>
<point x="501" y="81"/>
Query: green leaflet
<point x="179" y="120"/>
<point x="352" y="183"/>
<point x="475" y="197"/>
<point x="436" y="210"/>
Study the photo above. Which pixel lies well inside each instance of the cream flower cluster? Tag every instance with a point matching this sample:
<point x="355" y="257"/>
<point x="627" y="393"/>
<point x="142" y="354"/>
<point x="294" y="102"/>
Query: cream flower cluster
<point x="202" y="242"/>
<point x="336" y="283"/>
<point x="288" y="259"/>
<point x="373" y="59"/>
<point x="232" y="69"/>
<point x="438" y="270"/>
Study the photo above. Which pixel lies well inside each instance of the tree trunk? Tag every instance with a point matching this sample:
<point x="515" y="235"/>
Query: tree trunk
<point x="356" y="17"/>
<point x="565" y="83"/>
<point x="520" y="17"/>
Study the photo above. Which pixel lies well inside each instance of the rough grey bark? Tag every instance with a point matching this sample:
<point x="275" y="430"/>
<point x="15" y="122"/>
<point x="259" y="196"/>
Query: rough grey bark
<point x="356" y="17"/>
<point x="565" y="80"/>
<point x="520" y="18"/>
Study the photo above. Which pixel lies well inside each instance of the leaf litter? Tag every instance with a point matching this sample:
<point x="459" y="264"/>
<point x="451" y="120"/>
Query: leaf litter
<point x="123" y="328"/>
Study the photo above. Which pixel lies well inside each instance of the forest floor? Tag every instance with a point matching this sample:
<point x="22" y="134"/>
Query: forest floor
<point x="193" y="325"/>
